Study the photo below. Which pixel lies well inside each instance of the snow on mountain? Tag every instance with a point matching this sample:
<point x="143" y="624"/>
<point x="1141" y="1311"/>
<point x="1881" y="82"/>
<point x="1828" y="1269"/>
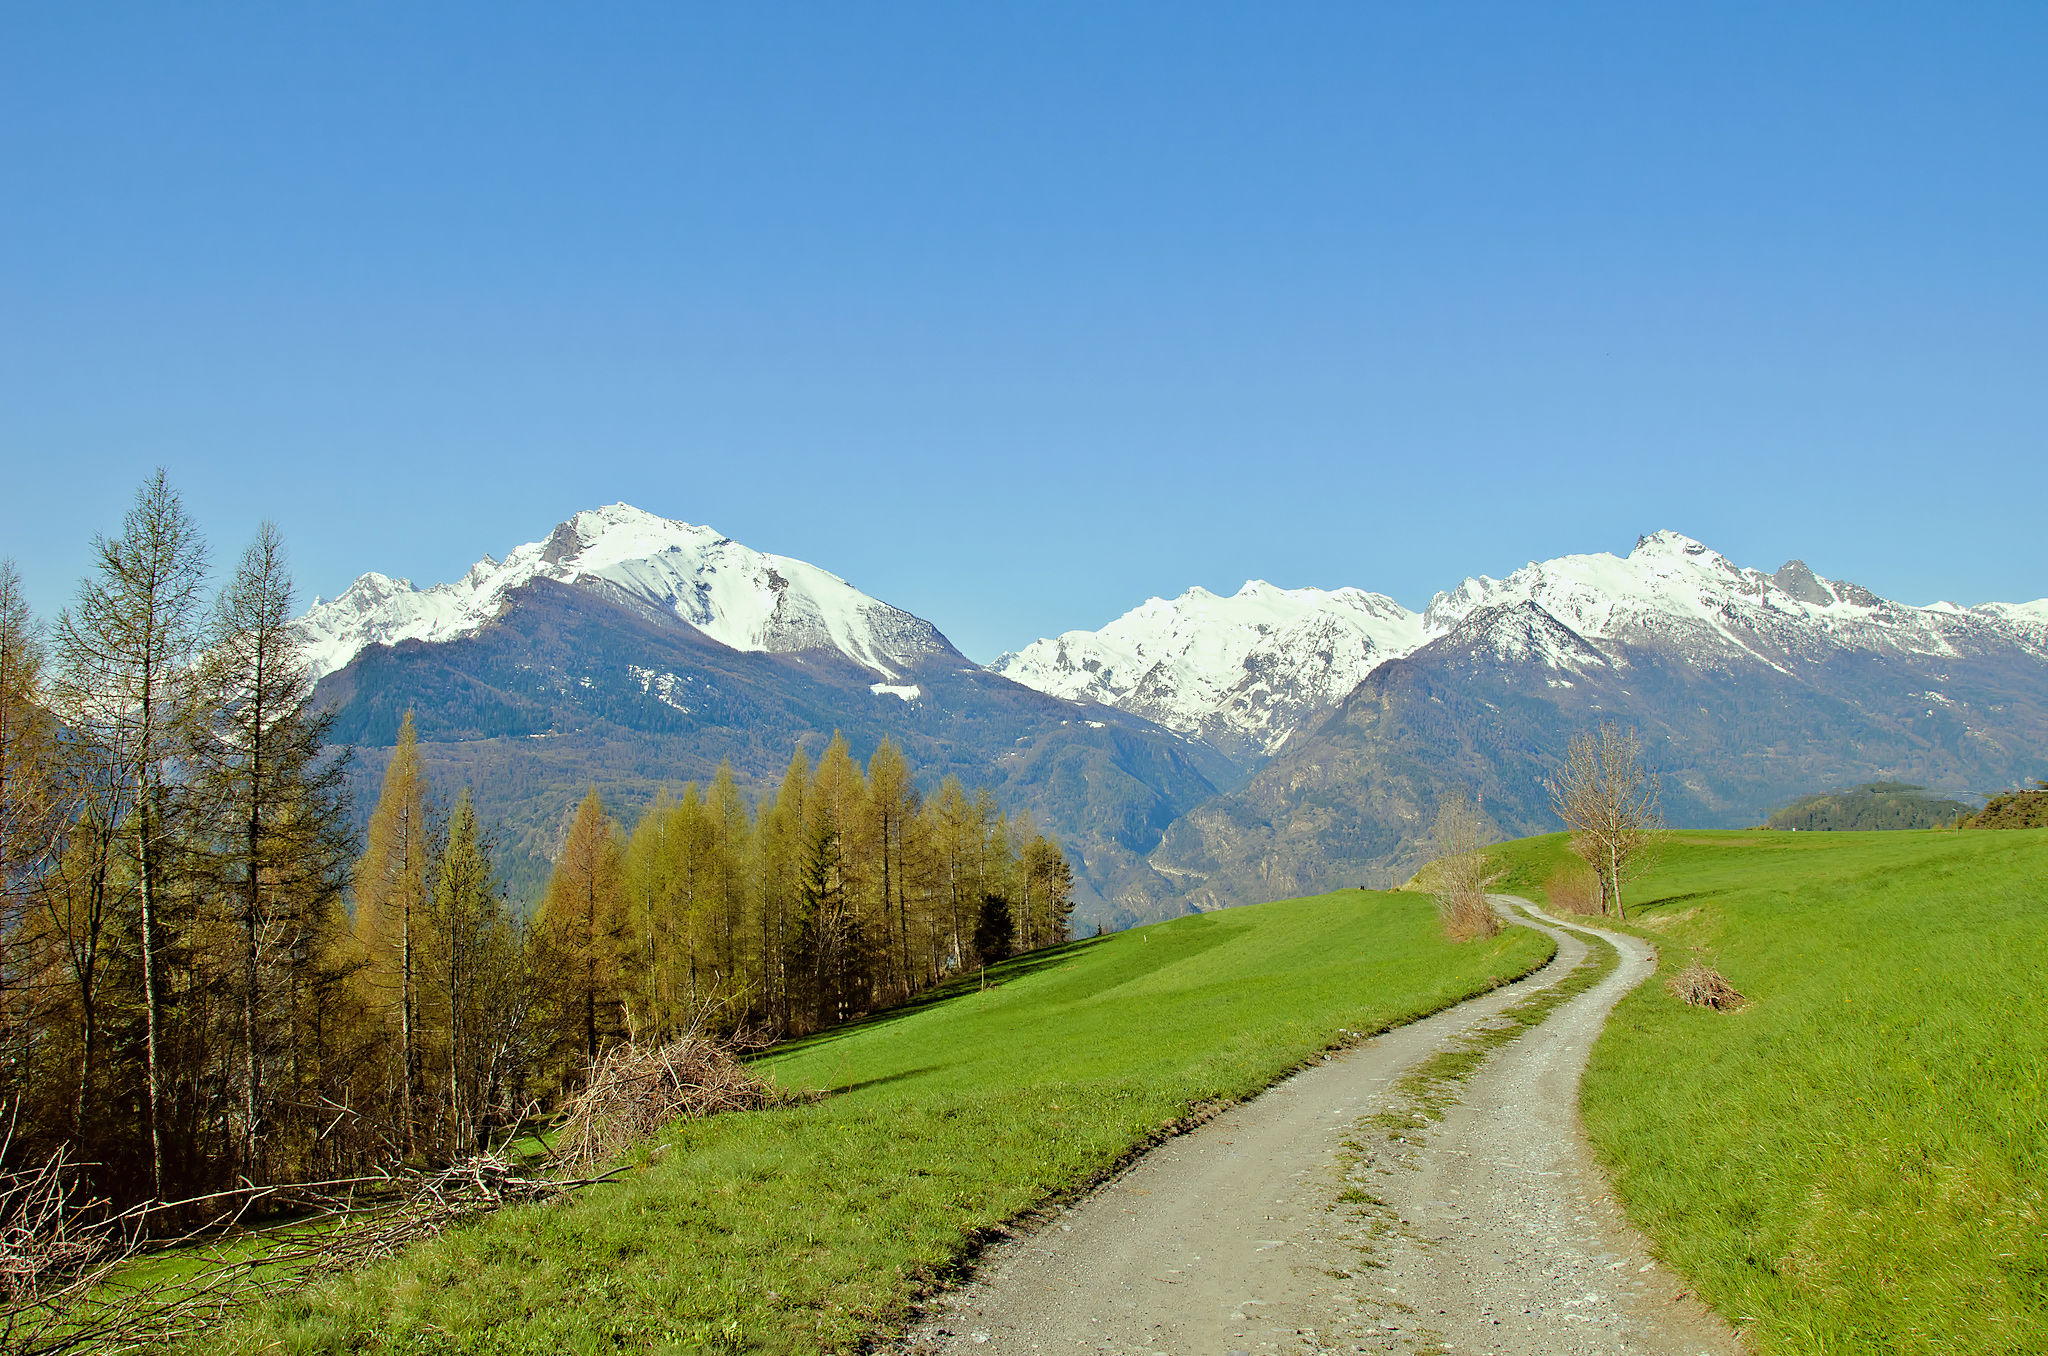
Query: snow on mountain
<point x="1674" y="592"/>
<point x="1246" y="671"/>
<point x="1242" y="670"/>
<point x="737" y="596"/>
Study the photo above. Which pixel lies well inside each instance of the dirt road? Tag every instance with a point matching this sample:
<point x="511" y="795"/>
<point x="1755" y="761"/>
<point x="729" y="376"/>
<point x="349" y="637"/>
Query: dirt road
<point x="1295" y="1223"/>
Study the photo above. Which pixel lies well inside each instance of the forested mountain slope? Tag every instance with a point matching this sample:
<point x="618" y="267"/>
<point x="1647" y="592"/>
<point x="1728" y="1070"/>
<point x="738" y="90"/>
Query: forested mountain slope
<point x="571" y="686"/>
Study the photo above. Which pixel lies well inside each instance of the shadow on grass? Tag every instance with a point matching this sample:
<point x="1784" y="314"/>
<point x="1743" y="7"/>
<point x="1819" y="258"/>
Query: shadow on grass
<point x="878" y="1081"/>
<point x="1670" y="899"/>
<point x="995" y="977"/>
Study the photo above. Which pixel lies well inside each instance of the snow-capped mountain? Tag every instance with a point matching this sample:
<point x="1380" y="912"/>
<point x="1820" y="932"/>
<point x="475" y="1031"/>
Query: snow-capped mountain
<point x="1748" y="689"/>
<point x="1248" y="671"/>
<point x="1242" y="672"/>
<point x="1674" y="592"/>
<point x="746" y="599"/>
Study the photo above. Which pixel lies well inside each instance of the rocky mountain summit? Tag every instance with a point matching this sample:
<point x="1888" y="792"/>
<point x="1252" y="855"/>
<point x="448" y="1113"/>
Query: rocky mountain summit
<point x="1247" y="672"/>
<point x="742" y="598"/>
<point x="1242" y="672"/>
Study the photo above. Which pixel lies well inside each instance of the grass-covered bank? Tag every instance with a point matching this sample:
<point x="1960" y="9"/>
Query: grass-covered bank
<point x="1855" y="1161"/>
<point x="805" y="1228"/>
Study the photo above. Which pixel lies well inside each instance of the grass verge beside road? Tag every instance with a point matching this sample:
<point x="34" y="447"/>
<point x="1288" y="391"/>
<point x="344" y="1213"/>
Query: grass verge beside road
<point x="1855" y="1161"/>
<point x="810" y="1227"/>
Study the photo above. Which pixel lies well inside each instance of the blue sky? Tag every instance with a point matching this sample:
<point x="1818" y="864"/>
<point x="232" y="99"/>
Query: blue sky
<point x="1015" y="315"/>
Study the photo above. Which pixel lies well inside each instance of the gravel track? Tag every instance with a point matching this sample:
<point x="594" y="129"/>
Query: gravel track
<point x="1295" y="1223"/>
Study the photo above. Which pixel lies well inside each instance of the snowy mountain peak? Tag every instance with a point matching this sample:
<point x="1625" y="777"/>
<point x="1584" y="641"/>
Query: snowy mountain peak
<point x="1240" y="671"/>
<point x="737" y="596"/>
<point x="1244" y="672"/>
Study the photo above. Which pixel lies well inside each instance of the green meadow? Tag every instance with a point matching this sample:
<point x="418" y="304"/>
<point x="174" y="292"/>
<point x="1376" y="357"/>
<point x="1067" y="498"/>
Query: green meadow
<point x="1856" y="1160"/>
<point x="810" y="1226"/>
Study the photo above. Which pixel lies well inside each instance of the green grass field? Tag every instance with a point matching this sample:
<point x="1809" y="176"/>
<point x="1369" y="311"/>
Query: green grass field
<point x="1856" y="1161"/>
<point x="807" y="1227"/>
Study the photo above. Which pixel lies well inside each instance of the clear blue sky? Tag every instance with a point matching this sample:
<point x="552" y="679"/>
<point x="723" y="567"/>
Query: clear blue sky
<point x="1015" y="315"/>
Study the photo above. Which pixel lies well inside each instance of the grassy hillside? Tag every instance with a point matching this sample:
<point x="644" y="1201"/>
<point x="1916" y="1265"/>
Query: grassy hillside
<point x="1856" y="1161"/>
<point x="804" y="1228"/>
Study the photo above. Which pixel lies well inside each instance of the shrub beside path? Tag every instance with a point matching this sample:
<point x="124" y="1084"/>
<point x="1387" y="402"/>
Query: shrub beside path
<point x="1412" y="1194"/>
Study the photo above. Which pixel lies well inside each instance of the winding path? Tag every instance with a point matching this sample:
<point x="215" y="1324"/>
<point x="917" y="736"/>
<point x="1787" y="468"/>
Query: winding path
<point x="1290" y="1224"/>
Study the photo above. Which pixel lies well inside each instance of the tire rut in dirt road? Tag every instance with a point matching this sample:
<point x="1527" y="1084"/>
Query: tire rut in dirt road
<point x="1321" y="1216"/>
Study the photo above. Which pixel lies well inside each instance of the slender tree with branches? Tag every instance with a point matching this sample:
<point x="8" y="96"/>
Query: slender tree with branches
<point x="1457" y="870"/>
<point x="1608" y="797"/>
<point x="125" y="650"/>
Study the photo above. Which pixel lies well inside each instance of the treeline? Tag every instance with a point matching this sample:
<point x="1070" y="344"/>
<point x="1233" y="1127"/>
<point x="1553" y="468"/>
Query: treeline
<point x="208" y="978"/>
<point x="1873" y="805"/>
<point x="841" y="892"/>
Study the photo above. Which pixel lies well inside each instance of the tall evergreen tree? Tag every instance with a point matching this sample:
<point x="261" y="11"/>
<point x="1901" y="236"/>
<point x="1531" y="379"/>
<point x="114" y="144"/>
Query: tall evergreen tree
<point x="583" y="926"/>
<point x="394" y="883"/>
<point x="31" y="818"/>
<point x="278" y="802"/>
<point x="467" y="934"/>
<point x="124" y="648"/>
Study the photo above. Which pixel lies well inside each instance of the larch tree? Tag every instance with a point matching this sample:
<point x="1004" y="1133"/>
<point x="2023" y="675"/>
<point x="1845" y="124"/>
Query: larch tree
<point x="1608" y="797"/>
<point x="891" y="803"/>
<point x="125" y="649"/>
<point x="728" y="830"/>
<point x="464" y="939"/>
<point x="31" y="816"/>
<point x="394" y="883"/>
<point x="278" y="803"/>
<point x="781" y="841"/>
<point x="582" y="921"/>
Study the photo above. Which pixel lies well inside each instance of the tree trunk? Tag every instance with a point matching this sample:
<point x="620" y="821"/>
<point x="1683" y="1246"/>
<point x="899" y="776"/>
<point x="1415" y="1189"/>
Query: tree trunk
<point x="153" y="1009"/>
<point x="410" y="1068"/>
<point x="1614" y="869"/>
<point x="252" y="1068"/>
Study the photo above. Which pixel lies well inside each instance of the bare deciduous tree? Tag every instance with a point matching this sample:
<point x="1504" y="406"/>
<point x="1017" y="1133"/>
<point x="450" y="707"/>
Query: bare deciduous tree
<point x="1457" y="871"/>
<point x="1608" y="798"/>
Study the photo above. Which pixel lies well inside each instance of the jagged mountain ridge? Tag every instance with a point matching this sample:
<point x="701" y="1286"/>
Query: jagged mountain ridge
<point x="1740" y="709"/>
<point x="1247" y="672"/>
<point x="740" y="597"/>
<point x="1241" y="672"/>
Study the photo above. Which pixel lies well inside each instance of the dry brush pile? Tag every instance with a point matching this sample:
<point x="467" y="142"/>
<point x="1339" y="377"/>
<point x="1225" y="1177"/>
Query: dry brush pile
<point x="634" y="1090"/>
<point x="1702" y="986"/>
<point x="77" y="1275"/>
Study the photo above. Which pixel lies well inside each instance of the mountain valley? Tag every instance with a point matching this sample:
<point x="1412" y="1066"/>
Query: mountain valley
<point x="1196" y="752"/>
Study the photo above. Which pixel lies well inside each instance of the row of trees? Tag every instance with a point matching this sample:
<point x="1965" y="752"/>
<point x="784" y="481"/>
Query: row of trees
<point x="841" y="892"/>
<point x="207" y="976"/>
<point x="174" y="842"/>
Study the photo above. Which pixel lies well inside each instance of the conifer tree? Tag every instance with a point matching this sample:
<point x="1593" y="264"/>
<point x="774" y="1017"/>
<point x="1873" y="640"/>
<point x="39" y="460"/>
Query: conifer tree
<point x="277" y="805"/>
<point x="466" y="936"/>
<point x="779" y="854"/>
<point x="393" y="885"/>
<point x="728" y="830"/>
<point x="124" y="648"/>
<point x="583" y="925"/>
<point x="891" y="804"/>
<point x="31" y="819"/>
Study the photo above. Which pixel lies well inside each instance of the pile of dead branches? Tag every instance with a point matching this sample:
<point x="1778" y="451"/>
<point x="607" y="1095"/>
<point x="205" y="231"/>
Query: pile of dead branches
<point x="68" y="1259"/>
<point x="67" y="1263"/>
<point x="636" y="1089"/>
<point x="1703" y="986"/>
